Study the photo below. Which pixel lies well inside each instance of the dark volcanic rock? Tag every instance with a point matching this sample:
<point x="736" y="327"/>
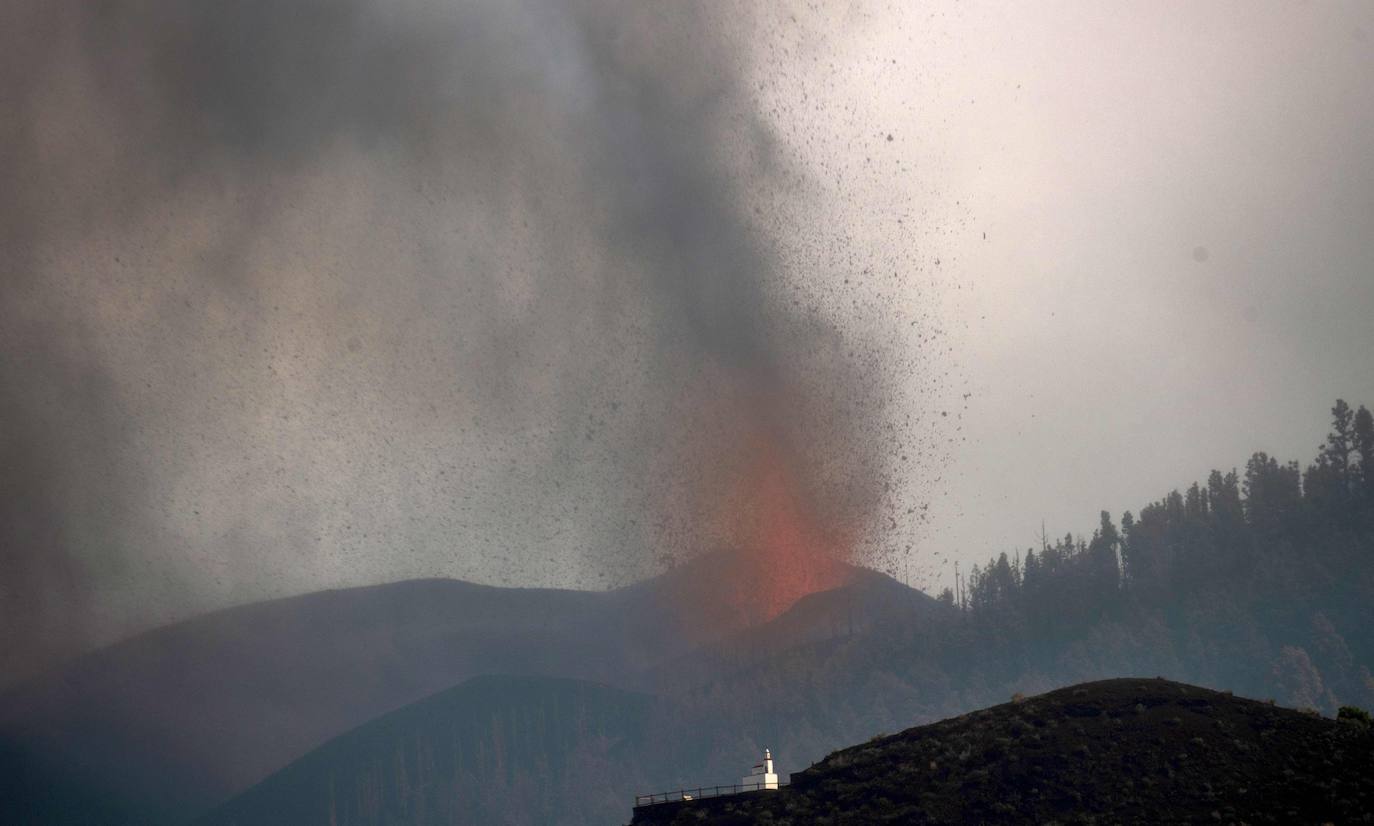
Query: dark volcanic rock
<point x="1116" y="751"/>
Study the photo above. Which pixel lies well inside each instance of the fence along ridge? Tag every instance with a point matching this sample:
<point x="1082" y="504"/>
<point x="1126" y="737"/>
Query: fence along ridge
<point x="701" y="793"/>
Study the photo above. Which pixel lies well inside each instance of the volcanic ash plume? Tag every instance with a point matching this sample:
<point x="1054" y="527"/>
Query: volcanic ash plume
<point x="308" y="294"/>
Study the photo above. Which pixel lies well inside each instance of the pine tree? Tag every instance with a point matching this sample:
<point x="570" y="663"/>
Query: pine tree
<point x="1102" y="555"/>
<point x="1340" y="443"/>
<point x="1363" y="431"/>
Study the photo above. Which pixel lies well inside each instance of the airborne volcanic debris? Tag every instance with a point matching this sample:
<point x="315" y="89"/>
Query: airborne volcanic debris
<point x="358" y="245"/>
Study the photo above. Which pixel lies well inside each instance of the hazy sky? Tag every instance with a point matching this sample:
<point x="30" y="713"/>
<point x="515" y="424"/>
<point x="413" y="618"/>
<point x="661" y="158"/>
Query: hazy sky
<point x="1179" y="263"/>
<point x="364" y="292"/>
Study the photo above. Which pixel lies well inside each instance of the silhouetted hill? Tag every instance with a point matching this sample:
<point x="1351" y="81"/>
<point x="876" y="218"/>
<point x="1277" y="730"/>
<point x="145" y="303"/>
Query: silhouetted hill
<point x="160" y="727"/>
<point x="168" y="723"/>
<point x="1258" y="582"/>
<point x="495" y="750"/>
<point x="870" y="600"/>
<point x="1116" y="751"/>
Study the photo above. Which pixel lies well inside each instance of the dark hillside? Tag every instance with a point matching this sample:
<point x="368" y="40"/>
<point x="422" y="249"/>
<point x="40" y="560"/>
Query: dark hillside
<point x="1258" y="582"/>
<point x="1116" y="751"/>
<point x="157" y="729"/>
<point x="495" y="750"/>
<point x="160" y="727"/>
<point x="872" y="600"/>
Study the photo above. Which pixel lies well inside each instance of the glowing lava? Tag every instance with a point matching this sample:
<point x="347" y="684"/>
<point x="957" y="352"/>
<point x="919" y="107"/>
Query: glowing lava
<point x="768" y="499"/>
<point x="783" y="551"/>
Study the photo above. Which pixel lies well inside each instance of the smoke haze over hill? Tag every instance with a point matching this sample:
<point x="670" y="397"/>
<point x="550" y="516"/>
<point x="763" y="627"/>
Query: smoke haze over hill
<point x="352" y="292"/>
<point x="331" y="293"/>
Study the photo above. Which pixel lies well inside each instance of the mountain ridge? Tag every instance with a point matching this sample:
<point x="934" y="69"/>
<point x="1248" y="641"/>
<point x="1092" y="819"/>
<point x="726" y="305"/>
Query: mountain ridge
<point x="174" y="720"/>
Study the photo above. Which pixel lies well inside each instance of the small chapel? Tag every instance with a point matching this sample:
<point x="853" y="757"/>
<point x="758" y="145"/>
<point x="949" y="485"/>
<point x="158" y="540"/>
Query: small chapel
<point x="763" y="776"/>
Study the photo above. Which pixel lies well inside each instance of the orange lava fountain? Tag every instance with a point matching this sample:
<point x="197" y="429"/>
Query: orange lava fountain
<point x="766" y="525"/>
<point x="784" y="552"/>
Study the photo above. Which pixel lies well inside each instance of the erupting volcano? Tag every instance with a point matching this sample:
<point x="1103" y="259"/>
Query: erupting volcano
<point x="775" y="497"/>
<point x="785" y="550"/>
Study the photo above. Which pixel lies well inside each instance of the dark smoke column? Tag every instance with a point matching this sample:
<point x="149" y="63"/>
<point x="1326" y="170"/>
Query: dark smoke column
<point x="322" y="293"/>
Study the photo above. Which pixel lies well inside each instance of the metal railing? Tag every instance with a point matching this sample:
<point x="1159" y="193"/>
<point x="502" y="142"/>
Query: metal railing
<point x="701" y="793"/>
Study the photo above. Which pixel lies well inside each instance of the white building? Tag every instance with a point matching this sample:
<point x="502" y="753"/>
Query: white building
<point x="763" y="776"/>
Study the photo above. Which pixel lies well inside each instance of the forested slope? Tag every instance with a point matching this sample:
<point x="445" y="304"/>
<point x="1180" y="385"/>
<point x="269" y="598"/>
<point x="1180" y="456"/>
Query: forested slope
<point x="1257" y="581"/>
<point x="1260" y="580"/>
